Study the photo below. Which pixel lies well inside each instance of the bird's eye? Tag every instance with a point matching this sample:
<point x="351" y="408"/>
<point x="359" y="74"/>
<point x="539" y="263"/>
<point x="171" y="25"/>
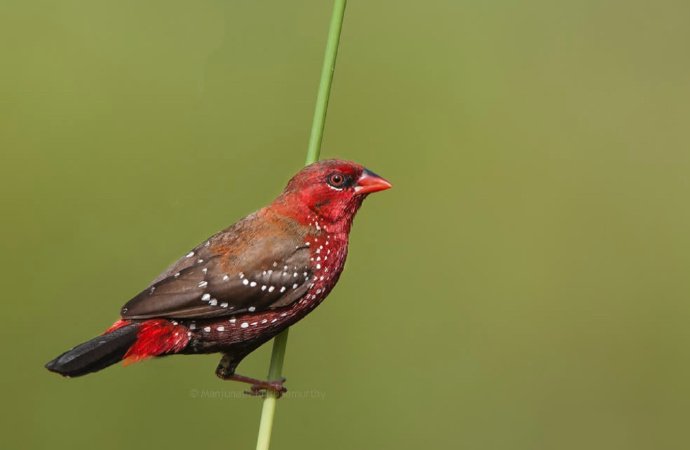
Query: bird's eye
<point x="337" y="180"/>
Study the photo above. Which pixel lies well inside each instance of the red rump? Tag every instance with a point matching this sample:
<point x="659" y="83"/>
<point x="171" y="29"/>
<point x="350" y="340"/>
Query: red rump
<point x="155" y="337"/>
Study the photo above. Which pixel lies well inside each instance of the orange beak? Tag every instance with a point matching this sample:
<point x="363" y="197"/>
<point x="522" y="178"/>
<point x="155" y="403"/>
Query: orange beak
<point x="369" y="182"/>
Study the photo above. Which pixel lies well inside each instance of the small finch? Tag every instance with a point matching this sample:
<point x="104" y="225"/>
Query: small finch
<point x="243" y="285"/>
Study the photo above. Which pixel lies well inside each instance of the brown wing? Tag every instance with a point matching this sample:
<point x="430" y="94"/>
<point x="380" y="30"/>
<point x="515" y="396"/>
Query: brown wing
<point x="238" y="270"/>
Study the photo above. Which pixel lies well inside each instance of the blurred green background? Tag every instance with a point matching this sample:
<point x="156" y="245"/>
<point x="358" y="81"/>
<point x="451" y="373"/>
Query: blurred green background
<point x="524" y="285"/>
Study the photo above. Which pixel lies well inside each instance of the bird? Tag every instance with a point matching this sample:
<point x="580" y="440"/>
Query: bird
<point x="245" y="284"/>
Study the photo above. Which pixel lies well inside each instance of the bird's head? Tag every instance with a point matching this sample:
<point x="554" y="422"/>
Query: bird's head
<point x="332" y="190"/>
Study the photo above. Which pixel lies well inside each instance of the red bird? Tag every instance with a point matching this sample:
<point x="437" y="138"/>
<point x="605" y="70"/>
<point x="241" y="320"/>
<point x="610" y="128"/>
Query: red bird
<point x="244" y="285"/>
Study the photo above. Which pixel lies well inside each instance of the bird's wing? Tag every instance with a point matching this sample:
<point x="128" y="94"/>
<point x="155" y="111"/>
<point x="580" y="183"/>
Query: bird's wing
<point x="235" y="271"/>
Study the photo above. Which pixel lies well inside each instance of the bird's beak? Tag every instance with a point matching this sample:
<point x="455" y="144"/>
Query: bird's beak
<point x="369" y="182"/>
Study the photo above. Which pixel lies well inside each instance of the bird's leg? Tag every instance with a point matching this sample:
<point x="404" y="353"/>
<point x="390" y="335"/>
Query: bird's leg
<point x="226" y="371"/>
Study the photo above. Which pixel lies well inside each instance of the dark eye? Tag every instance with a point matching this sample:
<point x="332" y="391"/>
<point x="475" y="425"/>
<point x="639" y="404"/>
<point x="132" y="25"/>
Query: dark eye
<point x="337" y="180"/>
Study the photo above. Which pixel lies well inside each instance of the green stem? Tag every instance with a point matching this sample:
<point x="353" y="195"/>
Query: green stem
<point x="269" y="408"/>
<point x="327" y="71"/>
<point x="280" y="343"/>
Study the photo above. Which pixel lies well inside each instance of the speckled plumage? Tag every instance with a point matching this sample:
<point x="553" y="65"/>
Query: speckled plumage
<point x="245" y="284"/>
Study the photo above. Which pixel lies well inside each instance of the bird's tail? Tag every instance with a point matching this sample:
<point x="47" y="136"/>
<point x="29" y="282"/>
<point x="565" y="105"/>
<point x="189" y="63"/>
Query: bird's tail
<point x="131" y="341"/>
<point x="96" y="354"/>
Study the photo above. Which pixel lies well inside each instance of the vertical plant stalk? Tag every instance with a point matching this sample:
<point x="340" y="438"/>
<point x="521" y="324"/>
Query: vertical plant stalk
<point x="327" y="72"/>
<point x="313" y="150"/>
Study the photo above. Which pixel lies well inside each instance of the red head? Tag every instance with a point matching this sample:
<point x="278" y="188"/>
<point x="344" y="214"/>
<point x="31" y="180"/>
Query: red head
<point x="333" y="190"/>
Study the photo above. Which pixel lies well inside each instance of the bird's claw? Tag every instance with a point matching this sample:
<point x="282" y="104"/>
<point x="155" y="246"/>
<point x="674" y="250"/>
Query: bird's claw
<point x="260" y="389"/>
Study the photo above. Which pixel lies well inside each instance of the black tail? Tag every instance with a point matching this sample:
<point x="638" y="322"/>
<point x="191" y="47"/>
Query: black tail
<point x="96" y="354"/>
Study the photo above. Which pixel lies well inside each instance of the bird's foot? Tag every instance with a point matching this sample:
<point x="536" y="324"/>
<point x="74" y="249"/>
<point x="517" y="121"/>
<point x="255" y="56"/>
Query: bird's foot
<point x="261" y="388"/>
<point x="226" y="371"/>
